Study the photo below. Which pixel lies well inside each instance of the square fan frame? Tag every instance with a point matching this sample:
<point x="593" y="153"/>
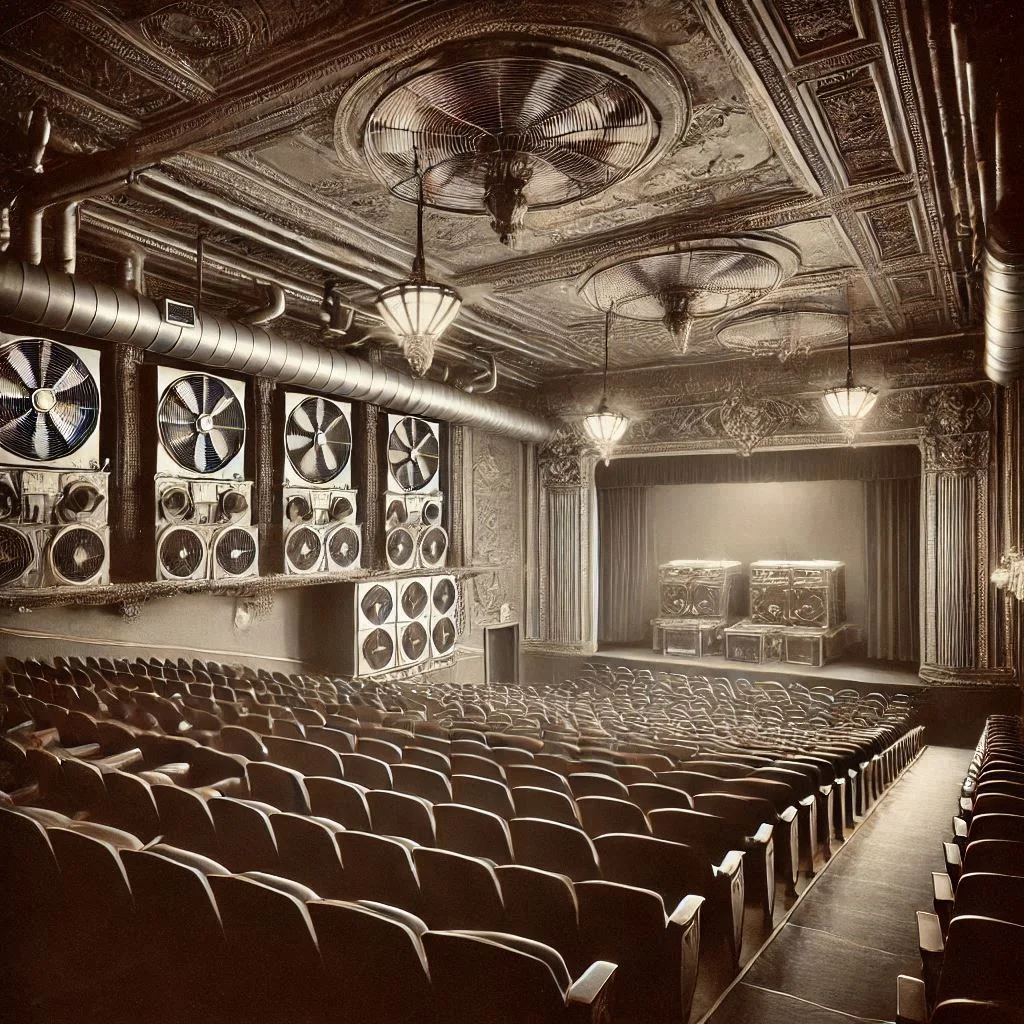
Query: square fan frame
<point x="333" y="567"/>
<point x="290" y="569"/>
<point x="362" y="589"/>
<point x="165" y="463"/>
<point x="204" y="491"/>
<point x="100" y="578"/>
<point x="432" y="486"/>
<point x="87" y="457"/>
<point x="403" y="585"/>
<point x="48" y="486"/>
<point x="290" y="478"/>
<point x="362" y="668"/>
<point x="403" y="660"/>
<point x="202" y="571"/>
<point x="436" y="616"/>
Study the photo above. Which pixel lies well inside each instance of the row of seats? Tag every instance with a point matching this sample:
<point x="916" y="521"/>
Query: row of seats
<point x="971" y="946"/>
<point x="159" y="934"/>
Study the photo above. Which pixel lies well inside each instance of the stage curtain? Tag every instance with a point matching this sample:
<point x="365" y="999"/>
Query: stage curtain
<point x="878" y="462"/>
<point x="626" y="543"/>
<point x="892" y="528"/>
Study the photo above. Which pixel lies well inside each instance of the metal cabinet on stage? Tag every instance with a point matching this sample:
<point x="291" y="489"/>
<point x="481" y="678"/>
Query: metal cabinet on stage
<point x="786" y="593"/>
<point x="696" y="598"/>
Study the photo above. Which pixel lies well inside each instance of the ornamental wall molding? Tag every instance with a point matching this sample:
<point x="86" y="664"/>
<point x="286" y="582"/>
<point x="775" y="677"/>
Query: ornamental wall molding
<point x="956" y="453"/>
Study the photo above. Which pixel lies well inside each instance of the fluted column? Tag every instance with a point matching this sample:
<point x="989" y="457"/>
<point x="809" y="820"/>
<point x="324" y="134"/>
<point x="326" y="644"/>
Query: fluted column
<point x="367" y="478"/>
<point x="955" y="540"/>
<point x="453" y="497"/>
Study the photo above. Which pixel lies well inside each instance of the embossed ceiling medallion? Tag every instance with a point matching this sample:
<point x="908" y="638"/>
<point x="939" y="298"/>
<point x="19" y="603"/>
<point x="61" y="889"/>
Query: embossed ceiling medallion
<point x="502" y="125"/>
<point x="694" y="279"/>
<point x="783" y="332"/>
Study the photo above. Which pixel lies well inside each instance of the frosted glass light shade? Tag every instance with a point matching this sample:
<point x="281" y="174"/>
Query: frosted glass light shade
<point x="417" y="313"/>
<point x="605" y="429"/>
<point x="849" y="405"/>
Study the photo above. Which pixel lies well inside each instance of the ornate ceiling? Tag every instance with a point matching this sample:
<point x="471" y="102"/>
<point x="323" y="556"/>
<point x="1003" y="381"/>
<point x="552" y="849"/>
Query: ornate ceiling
<point x="801" y="121"/>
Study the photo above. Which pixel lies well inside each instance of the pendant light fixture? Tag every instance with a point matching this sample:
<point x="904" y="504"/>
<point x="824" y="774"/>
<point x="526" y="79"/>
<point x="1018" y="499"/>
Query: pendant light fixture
<point x="849" y="404"/>
<point x="604" y="427"/>
<point x="418" y="311"/>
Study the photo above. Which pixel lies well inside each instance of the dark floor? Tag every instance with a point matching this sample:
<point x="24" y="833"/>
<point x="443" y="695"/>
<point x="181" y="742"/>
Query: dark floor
<point x="853" y="931"/>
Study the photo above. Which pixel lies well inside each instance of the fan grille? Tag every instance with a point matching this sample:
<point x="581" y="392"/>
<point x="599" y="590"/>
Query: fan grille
<point x="235" y="551"/>
<point x="433" y="547"/>
<point x="378" y="649"/>
<point x="181" y="553"/>
<point x="49" y="401"/>
<point x="414" y="641"/>
<point x="377" y="604"/>
<point x="414" y="600"/>
<point x="202" y="424"/>
<point x="413" y="453"/>
<point x="16" y="555"/>
<point x="343" y="547"/>
<point x="78" y="554"/>
<point x="318" y="440"/>
<point x="444" y="595"/>
<point x="713" y="276"/>
<point x="400" y="546"/>
<point x="303" y="547"/>
<point x="444" y="635"/>
<point x="575" y="128"/>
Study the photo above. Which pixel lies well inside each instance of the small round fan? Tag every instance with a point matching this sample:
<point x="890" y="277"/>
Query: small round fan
<point x="16" y="556"/>
<point x="235" y="551"/>
<point x="444" y="635"/>
<point x="444" y="595"/>
<point x="49" y="401"/>
<point x="77" y="554"/>
<point x="303" y="548"/>
<point x="298" y="509"/>
<point x="202" y="424"/>
<point x="433" y="547"/>
<point x="181" y="553"/>
<point x="413" y="453"/>
<point x="414" y="600"/>
<point x="400" y="547"/>
<point x="414" y="641"/>
<point x="318" y="440"/>
<point x="378" y="649"/>
<point x="343" y="547"/>
<point x="377" y="604"/>
<point x="9" y="501"/>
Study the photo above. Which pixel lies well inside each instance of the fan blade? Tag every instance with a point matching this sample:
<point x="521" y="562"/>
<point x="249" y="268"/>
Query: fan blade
<point x="72" y="377"/>
<point x="310" y="464"/>
<point x="12" y="429"/>
<point x="337" y="428"/>
<point x="299" y="421"/>
<point x="225" y="402"/>
<point x="184" y="390"/>
<point x="204" y="394"/>
<point x="298" y="443"/>
<point x="66" y="419"/>
<point x="219" y="444"/>
<point x="13" y="390"/>
<point x="21" y="365"/>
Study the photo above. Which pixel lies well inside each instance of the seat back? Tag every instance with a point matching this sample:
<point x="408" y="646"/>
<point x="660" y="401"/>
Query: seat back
<point x="377" y="960"/>
<point x="996" y="826"/>
<point x="458" y="891"/>
<point x="538" y="802"/>
<point x="427" y="783"/>
<point x="473" y="831"/>
<point x="672" y="870"/>
<point x="399" y="814"/>
<point x="379" y="868"/>
<point x="603" y="814"/>
<point x="969" y="968"/>
<point x="283" y="788"/>
<point x="305" y="757"/>
<point x="596" y="784"/>
<point x="341" y="800"/>
<point x="483" y="767"/>
<point x="652" y="796"/>
<point x="537" y="777"/>
<point x="552" y="846"/>
<point x="707" y="832"/>
<point x="487" y="794"/>
<point x="987" y="894"/>
<point x="244" y="836"/>
<point x="308" y="853"/>
<point x="1003" y="856"/>
<point x="185" y="820"/>
<point x="367" y="771"/>
<point x="542" y="905"/>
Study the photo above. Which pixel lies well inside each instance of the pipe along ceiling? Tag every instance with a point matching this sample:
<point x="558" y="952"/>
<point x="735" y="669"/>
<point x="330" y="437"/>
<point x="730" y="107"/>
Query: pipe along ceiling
<point x="36" y="296"/>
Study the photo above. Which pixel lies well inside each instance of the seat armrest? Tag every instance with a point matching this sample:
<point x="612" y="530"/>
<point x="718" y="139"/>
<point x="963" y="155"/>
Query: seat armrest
<point x="586" y="989"/>
<point x="120" y="761"/>
<point x="731" y="863"/>
<point x="966" y="807"/>
<point x="788" y="814"/>
<point x="687" y="911"/>
<point x="808" y="801"/>
<point x="959" y="828"/>
<point x="929" y="933"/>
<point x="84" y="751"/>
<point x="825" y="788"/>
<point x="954" y="862"/>
<point x="942" y="897"/>
<point x="911" y="1006"/>
<point x="763" y="834"/>
<point x="28" y="794"/>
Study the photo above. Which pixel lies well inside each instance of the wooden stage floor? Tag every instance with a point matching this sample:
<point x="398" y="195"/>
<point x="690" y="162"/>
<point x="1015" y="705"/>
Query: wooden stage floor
<point x="857" y="674"/>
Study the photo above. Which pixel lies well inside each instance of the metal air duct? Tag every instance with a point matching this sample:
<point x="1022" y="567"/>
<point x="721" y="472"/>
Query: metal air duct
<point x="1004" y="295"/>
<point x="38" y="297"/>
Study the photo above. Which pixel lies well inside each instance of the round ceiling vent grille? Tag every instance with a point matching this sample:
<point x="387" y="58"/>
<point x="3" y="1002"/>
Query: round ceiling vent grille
<point x="502" y="134"/>
<point x="784" y="332"/>
<point x="693" y="280"/>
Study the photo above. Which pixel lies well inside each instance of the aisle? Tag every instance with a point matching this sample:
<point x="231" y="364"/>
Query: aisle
<point x="854" y="930"/>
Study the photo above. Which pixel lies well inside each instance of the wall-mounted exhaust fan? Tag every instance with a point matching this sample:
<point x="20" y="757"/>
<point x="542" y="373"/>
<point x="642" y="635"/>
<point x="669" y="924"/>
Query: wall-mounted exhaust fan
<point x="201" y="422"/>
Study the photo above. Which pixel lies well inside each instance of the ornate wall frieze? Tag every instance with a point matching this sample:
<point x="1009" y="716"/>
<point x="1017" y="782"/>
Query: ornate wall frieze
<point x="561" y="460"/>
<point x="959" y="410"/>
<point x="956" y="453"/>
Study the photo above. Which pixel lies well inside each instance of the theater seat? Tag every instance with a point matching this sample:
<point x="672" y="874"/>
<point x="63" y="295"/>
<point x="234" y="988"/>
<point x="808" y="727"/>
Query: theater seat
<point x="552" y="846"/>
<point x="495" y="978"/>
<point x="458" y="891"/>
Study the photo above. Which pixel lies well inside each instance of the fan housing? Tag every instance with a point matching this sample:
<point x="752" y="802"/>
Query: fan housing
<point x="49" y="404"/>
<point x="413" y="454"/>
<point x="317" y="441"/>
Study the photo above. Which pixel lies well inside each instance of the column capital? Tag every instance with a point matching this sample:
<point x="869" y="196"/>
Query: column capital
<point x="956" y="453"/>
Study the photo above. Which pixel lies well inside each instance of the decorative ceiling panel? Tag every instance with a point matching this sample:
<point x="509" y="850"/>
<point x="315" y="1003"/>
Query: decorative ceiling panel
<point x="802" y="119"/>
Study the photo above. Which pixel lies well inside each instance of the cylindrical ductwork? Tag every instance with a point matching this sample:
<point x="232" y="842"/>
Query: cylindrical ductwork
<point x="1004" y="299"/>
<point x="38" y="297"/>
